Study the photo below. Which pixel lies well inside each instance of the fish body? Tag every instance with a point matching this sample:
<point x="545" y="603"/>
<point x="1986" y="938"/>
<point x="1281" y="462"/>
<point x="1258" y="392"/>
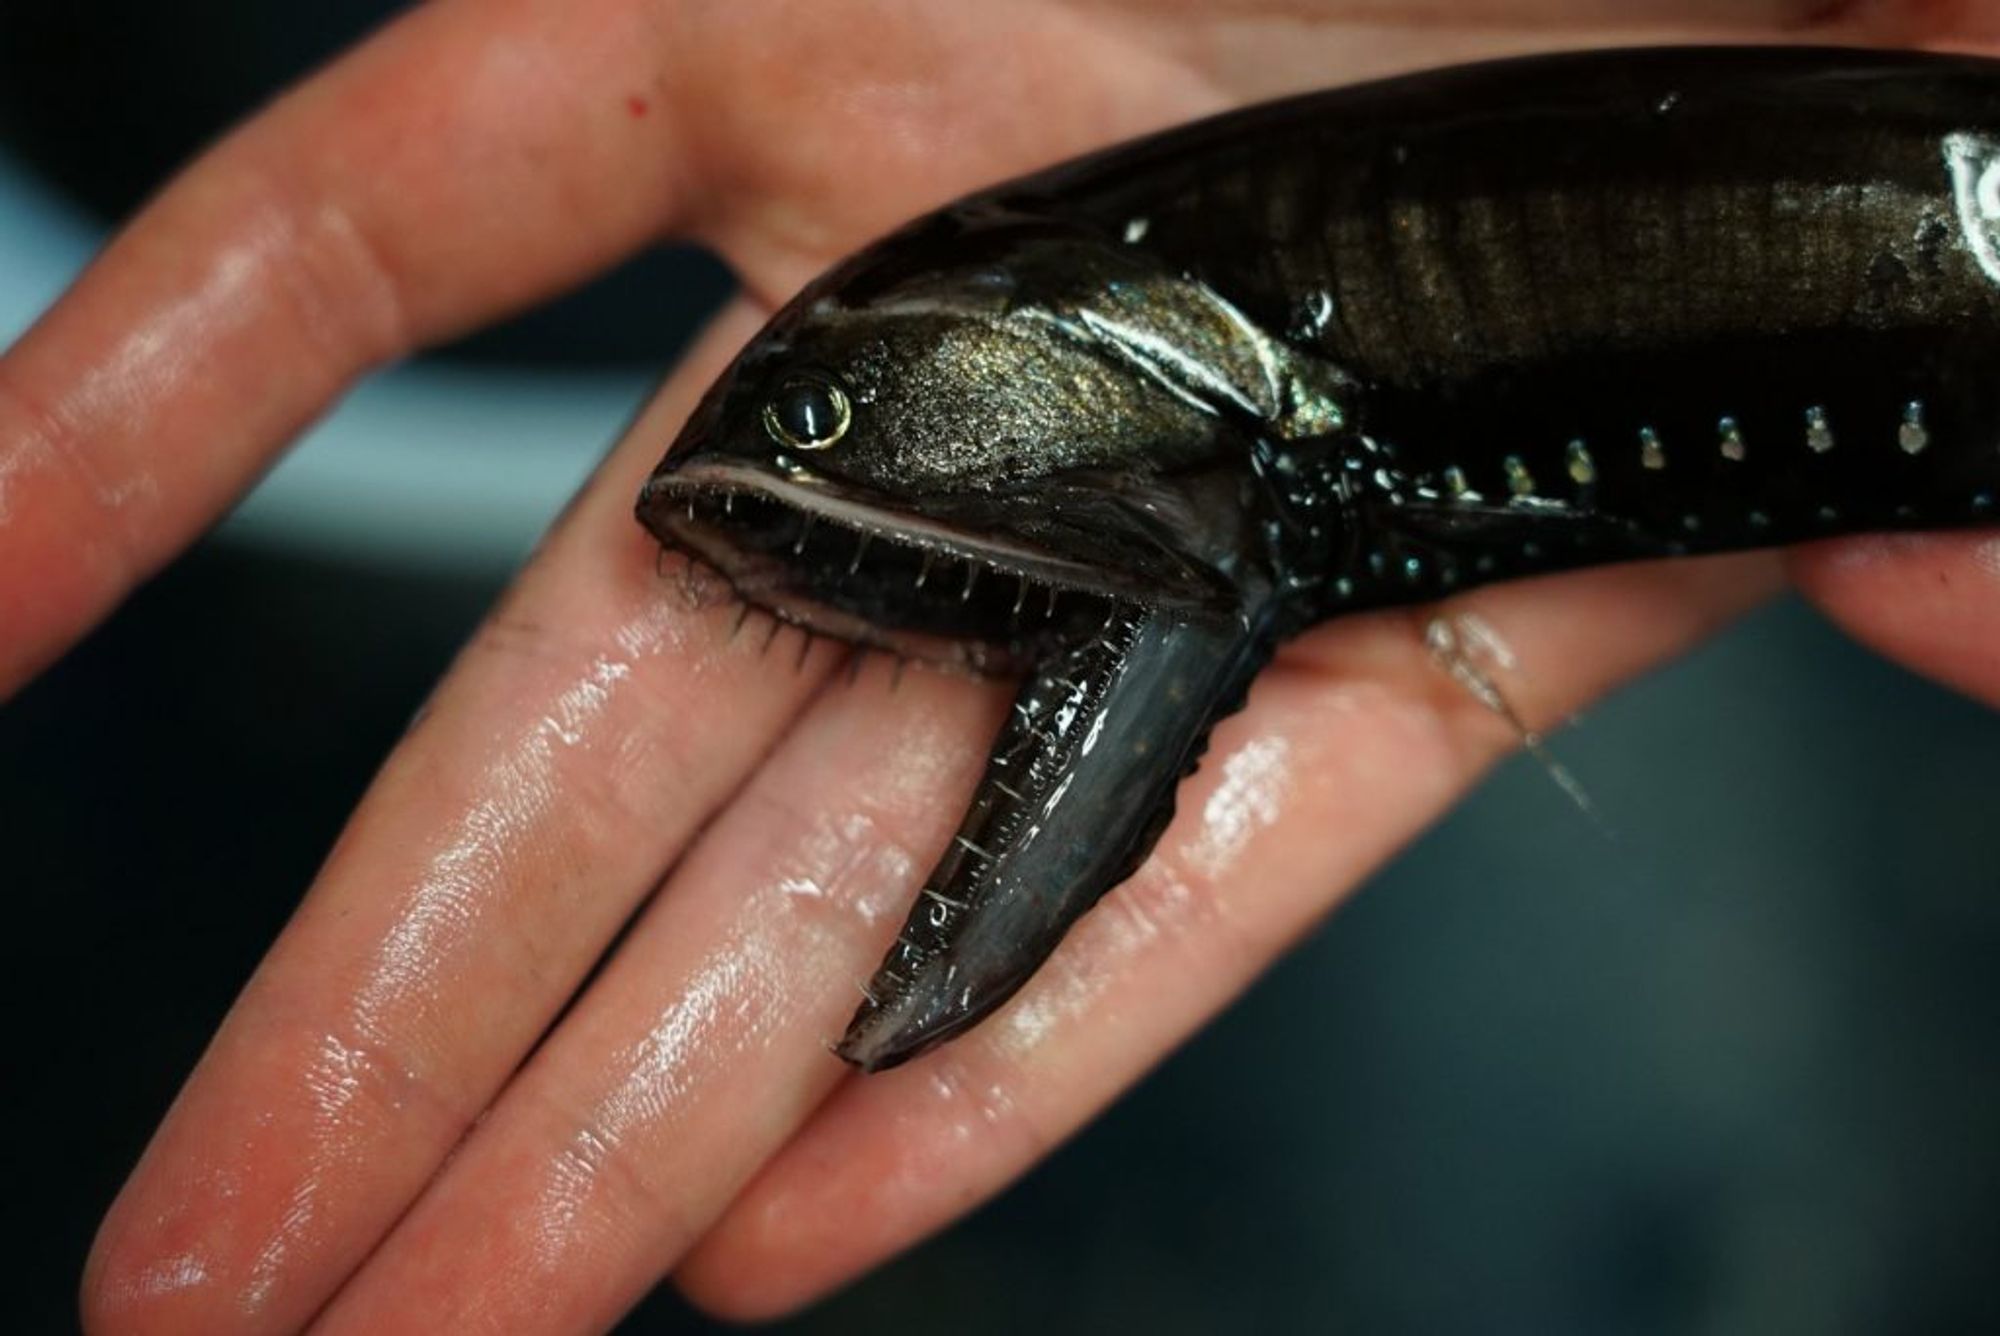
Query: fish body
<point x="1124" y="425"/>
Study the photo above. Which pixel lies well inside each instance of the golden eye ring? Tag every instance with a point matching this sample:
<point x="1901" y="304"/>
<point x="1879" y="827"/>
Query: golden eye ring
<point x="808" y="413"/>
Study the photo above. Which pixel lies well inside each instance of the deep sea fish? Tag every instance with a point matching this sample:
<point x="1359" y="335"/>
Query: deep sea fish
<point x="1121" y="426"/>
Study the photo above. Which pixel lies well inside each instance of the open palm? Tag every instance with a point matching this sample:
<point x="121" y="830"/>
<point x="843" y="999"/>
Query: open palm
<point x="413" y="1119"/>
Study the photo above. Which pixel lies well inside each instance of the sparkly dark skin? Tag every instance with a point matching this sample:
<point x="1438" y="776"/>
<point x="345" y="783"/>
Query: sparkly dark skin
<point x="1124" y="425"/>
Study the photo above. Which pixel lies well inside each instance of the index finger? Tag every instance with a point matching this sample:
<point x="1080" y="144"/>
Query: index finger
<point x="581" y="738"/>
<point x="443" y="173"/>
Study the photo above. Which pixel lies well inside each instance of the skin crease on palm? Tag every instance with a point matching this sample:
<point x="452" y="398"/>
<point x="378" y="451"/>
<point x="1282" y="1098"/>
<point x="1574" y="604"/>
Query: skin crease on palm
<point x="386" y="1133"/>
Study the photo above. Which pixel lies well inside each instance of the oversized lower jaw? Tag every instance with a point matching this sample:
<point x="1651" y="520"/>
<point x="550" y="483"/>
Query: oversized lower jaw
<point x="1116" y="707"/>
<point x="1078" y="788"/>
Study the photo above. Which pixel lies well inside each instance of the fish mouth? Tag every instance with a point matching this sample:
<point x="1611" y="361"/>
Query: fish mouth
<point x="817" y="556"/>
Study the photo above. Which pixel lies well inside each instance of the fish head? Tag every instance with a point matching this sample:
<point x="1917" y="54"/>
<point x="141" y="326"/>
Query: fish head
<point x="969" y="443"/>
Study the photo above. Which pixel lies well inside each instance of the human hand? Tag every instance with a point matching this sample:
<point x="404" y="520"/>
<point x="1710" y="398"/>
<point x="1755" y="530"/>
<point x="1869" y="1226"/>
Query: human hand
<point x="596" y="732"/>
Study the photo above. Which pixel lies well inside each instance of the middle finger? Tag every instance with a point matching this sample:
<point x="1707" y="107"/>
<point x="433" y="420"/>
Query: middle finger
<point x="702" y="1046"/>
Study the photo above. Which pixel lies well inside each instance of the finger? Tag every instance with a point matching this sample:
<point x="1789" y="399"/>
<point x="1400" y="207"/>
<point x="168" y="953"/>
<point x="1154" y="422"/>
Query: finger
<point x="583" y="735"/>
<point x="1931" y="601"/>
<point x="469" y="158"/>
<point x="480" y="153"/>
<point x="1351" y="743"/>
<point x="703" y="1043"/>
<point x="472" y="157"/>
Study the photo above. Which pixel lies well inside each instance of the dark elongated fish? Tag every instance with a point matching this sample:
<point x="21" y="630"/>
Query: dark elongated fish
<point x="1123" y="425"/>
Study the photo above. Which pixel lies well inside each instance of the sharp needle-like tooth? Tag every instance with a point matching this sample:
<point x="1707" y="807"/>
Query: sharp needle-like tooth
<point x="860" y="549"/>
<point x="777" y="625"/>
<point x="924" y="571"/>
<point x="729" y="503"/>
<point x="742" y="616"/>
<point x="942" y="899"/>
<point x="805" y="532"/>
<point x="972" y="848"/>
<point x="971" y="578"/>
<point x="1021" y="596"/>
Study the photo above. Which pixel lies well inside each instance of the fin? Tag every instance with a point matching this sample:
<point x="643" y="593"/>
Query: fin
<point x="1448" y="524"/>
<point x="1077" y="790"/>
<point x="1462" y="645"/>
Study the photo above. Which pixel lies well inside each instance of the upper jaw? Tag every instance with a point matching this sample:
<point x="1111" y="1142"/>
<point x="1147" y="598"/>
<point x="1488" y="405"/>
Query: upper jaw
<point x="817" y="555"/>
<point x="667" y="493"/>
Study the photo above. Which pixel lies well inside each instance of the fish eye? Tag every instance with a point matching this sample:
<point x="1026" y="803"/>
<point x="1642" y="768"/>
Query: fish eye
<point x="807" y="413"/>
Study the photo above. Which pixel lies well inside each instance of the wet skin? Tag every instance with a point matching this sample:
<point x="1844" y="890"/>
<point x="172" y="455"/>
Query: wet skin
<point x="681" y="1114"/>
<point x="1130" y="421"/>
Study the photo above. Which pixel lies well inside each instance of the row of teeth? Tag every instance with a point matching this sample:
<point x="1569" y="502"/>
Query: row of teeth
<point x="1046" y="600"/>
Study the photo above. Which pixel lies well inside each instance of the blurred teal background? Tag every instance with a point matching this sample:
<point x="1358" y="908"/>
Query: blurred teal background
<point x="1732" y="1071"/>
